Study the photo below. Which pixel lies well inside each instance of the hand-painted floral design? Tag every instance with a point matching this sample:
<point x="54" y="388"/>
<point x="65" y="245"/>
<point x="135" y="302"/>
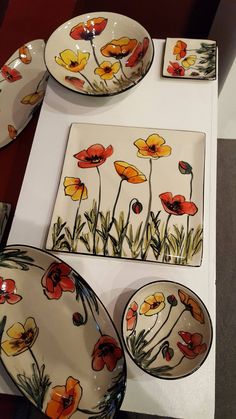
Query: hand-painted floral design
<point x="22" y="337"/>
<point x="88" y="30"/>
<point x="180" y="49"/>
<point x="107" y="70"/>
<point x="137" y="207"/>
<point x="94" y="156"/>
<point x="72" y="61"/>
<point x="64" y="399"/>
<point x="189" y="61"/>
<point x="185" y="168"/>
<point x="75" y="188"/>
<point x="192" y="306"/>
<point x="33" y="98"/>
<point x="132" y="315"/>
<point x="25" y="55"/>
<point x="119" y="48"/>
<point x="75" y="82"/>
<point x="106" y="352"/>
<point x="8" y="291"/>
<point x="153" y="147"/>
<point x="57" y="280"/>
<point x="175" y="69"/>
<point x="153" y="304"/>
<point x="129" y="172"/>
<point x="138" y="53"/>
<point x="10" y="74"/>
<point x="193" y="344"/>
<point x="177" y="205"/>
<point x="12" y="132"/>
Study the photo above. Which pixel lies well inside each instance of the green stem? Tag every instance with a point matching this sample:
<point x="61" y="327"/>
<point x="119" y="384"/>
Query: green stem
<point x="98" y="209"/>
<point x="36" y="362"/>
<point x="165" y="236"/>
<point x="94" y="318"/>
<point x="86" y="79"/>
<point x="176" y="321"/>
<point x="125" y="227"/>
<point x="112" y="219"/>
<point x="118" y="80"/>
<point x="40" y="81"/>
<point x="94" y="53"/>
<point x="127" y="78"/>
<point x="190" y="197"/>
<point x="163" y="324"/>
<point x="143" y="254"/>
<point x="73" y="245"/>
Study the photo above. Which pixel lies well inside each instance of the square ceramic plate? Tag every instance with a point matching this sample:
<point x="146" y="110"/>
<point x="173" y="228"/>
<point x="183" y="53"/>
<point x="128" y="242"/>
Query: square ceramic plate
<point x="134" y="193"/>
<point x="190" y="58"/>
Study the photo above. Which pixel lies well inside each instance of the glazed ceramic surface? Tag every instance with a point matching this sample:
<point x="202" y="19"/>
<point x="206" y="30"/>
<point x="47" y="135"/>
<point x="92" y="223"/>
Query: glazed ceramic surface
<point x="4" y="215"/>
<point x="22" y="87"/>
<point x="132" y="193"/>
<point x="99" y="53"/>
<point x="190" y="58"/>
<point x="58" y="342"/>
<point x="167" y="330"/>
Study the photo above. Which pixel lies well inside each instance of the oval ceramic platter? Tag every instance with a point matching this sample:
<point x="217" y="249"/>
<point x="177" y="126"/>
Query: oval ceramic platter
<point x="167" y="330"/>
<point x="99" y="54"/>
<point x="22" y="86"/>
<point x="58" y="342"/>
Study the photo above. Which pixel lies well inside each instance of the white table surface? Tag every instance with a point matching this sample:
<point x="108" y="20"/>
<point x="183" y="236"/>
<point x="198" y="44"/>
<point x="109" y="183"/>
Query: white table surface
<point x="155" y="103"/>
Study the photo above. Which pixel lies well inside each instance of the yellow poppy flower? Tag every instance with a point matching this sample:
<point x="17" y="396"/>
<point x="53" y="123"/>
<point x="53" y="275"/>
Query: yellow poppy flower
<point x="106" y="70"/>
<point x="75" y="188"/>
<point x="189" y="61"/>
<point x="192" y="306"/>
<point x="33" y="98"/>
<point x="72" y="61"/>
<point x="22" y="337"/>
<point x="119" y="48"/>
<point x="153" y="147"/>
<point x="129" y="172"/>
<point x="153" y="304"/>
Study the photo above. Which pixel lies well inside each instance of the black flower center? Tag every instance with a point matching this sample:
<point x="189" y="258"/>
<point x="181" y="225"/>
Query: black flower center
<point x="28" y="336"/>
<point x="174" y="206"/>
<point x="67" y="401"/>
<point x="154" y="305"/>
<point x="107" y="69"/>
<point x="106" y="349"/>
<point x="94" y="159"/>
<point x="55" y="276"/>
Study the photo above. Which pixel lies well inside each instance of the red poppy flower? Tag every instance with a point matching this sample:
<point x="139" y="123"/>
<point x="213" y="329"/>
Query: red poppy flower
<point x="131" y="316"/>
<point x="7" y="291"/>
<point x="106" y="352"/>
<point x="94" y="156"/>
<point x="138" y="53"/>
<point x="194" y="345"/>
<point x="88" y="30"/>
<point x="75" y="82"/>
<point x="177" y="205"/>
<point x="10" y="74"/>
<point x="56" y="280"/>
<point x="176" y="70"/>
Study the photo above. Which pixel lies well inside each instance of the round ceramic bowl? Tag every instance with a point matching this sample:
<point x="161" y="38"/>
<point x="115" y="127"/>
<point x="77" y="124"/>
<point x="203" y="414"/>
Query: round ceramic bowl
<point x="167" y="330"/>
<point x="58" y="343"/>
<point x="99" y="54"/>
<point x="22" y="86"/>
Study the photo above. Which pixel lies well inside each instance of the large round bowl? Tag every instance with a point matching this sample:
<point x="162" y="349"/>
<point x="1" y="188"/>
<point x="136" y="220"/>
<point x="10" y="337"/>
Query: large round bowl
<point x="167" y="330"/>
<point x="99" y="54"/>
<point x="58" y="342"/>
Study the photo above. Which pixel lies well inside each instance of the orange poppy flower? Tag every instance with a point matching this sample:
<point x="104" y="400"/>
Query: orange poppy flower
<point x="153" y="147"/>
<point x="177" y="205"/>
<point x="88" y="30"/>
<point x="33" y="98"/>
<point x="75" y="188"/>
<point x="107" y="70"/>
<point x="12" y="132"/>
<point x="129" y="172"/>
<point x="194" y="345"/>
<point x="153" y="304"/>
<point x="138" y="53"/>
<point x="24" y="55"/>
<point x="64" y="400"/>
<point x="192" y="306"/>
<point x="94" y="156"/>
<point x="22" y="337"/>
<point x="180" y="49"/>
<point x="119" y="48"/>
<point x="132" y="316"/>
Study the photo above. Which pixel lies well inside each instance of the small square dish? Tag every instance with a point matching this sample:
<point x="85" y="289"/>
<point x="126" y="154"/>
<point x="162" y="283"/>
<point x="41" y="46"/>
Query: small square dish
<point x="129" y="192"/>
<point x="190" y="59"/>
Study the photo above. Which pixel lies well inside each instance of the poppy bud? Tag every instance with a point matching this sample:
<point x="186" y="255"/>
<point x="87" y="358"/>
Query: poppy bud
<point x="185" y="168"/>
<point x="137" y="207"/>
<point x="78" y="319"/>
<point x="172" y="300"/>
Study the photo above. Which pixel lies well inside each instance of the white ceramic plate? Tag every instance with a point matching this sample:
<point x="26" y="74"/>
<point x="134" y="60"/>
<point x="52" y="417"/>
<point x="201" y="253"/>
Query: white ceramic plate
<point x="58" y="342"/>
<point x="133" y="193"/>
<point x="167" y="330"/>
<point x="22" y="86"/>
<point x="99" y="53"/>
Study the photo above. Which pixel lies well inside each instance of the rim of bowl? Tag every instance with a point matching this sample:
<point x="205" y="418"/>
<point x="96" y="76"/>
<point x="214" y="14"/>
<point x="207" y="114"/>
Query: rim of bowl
<point x="210" y="328"/>
<point x="100" y="94"/>
<point x="120" y="341"/>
